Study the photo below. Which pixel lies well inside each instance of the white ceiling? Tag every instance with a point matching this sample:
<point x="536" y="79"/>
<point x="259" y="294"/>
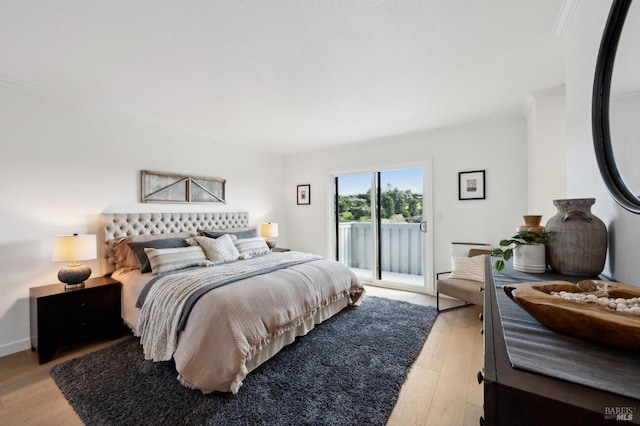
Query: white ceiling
<point x="287" y="75"/>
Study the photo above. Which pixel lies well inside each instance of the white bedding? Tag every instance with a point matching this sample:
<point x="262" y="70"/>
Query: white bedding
<point x="132" y="284"/>
<point x="234" y="328"/>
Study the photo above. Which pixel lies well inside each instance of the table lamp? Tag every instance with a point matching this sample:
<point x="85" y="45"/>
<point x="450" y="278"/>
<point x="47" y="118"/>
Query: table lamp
<point x="269" y="231"/>
<point x="72" y="248"/>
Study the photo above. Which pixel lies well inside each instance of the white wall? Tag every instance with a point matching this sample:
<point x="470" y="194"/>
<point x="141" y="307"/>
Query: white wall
<point x="499" y="147"/>
<point x="624" y="111"/>
<point x="63" y="162"/>
<point x="546" y="151"/>
<point x="584" y="180"/>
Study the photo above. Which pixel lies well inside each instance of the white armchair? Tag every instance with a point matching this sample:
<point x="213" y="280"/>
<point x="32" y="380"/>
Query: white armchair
<point x="466" y="280"/>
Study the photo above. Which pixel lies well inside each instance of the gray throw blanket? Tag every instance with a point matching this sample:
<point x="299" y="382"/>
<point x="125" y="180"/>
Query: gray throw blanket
<point x="231" y="274"/>
<point x="166" y="303"/>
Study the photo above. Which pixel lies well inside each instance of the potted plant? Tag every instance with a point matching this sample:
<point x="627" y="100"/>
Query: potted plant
<point x="527" y="249"/>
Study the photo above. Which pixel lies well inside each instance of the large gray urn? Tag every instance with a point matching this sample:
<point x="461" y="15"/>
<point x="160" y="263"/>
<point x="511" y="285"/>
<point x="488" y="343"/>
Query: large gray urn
<point x="578" y="240"/>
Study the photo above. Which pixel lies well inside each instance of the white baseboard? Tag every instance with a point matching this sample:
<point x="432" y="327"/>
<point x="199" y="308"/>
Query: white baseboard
<point x="12" y="348"/>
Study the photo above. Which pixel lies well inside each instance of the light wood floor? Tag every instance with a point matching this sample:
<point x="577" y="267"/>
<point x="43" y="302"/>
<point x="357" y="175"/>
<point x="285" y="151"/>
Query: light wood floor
<point x="441" y="388"/>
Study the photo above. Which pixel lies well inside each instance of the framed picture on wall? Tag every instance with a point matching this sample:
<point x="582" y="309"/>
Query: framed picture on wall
<point x="471" y="185"/>
<point x="304" y="194"/>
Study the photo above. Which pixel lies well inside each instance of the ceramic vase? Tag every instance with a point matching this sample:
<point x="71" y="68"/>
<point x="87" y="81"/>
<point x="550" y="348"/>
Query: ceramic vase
<point x="530" y="258"/>
<point x="531" y="223"/>
<point x="577" y="240"/>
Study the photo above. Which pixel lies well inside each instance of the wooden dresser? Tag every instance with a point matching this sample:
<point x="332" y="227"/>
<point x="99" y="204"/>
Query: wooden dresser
<point x="517" y="396"/>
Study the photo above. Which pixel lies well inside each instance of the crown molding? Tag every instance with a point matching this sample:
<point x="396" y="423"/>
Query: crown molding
<point x="563" y="20"/>
<point x="481" y="121"/>
<point x="549" y="91"/>
<point x="631" y="96"/>
<point x="121" y="112"/>
<point x="539" y="94"/>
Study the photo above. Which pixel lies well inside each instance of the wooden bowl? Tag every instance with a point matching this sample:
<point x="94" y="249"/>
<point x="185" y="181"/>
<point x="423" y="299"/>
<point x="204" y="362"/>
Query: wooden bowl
<point x="583" y="320"/>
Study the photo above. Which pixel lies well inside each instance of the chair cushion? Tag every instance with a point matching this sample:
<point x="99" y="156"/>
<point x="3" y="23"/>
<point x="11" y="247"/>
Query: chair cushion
<point x="467" y="290"/>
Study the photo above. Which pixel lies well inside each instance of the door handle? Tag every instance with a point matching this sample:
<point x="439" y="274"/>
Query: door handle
<point x="423" y="227"/>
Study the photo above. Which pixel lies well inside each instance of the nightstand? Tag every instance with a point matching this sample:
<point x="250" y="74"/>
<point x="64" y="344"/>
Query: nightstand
<point x="280" y="249"/>
<point x="60" y="317"/>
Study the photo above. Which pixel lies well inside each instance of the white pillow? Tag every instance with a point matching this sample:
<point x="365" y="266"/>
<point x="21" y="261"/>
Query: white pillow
<point x="218" y="250"/>
<point x="467" y="268"/>
<point x="172" y="259"/>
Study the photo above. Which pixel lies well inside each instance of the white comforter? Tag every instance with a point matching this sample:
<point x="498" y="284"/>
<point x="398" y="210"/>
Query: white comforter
<point x="232" y="329"/>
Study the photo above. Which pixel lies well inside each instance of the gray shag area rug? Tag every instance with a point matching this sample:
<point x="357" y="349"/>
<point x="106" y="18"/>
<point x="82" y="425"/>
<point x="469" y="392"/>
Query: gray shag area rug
<point x="347" y="371"/>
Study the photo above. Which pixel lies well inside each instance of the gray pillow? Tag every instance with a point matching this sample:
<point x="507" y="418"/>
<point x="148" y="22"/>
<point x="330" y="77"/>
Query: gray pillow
<point x="143" y="259"/>
<point x="239" y="233"/>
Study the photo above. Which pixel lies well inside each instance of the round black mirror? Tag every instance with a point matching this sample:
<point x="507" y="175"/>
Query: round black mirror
<point x="619" y="189"/>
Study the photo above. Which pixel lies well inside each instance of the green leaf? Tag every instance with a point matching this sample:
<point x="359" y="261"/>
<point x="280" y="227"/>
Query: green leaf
<point x="506" y="255"/>
<point x="499" y="265"/>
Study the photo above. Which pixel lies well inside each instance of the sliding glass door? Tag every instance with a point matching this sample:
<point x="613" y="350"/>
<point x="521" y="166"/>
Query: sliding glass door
<point x="354" y="224"/>
<point x="380" y="226"/>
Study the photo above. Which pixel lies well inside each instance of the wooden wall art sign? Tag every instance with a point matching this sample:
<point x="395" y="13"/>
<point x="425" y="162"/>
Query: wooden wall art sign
<point x="158" y="187"/>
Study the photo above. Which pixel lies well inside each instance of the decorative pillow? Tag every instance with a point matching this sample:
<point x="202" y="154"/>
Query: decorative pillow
<point x="114" y="247"/>
<point x="125" y="257"/>
<point x="219" y="249"/>
<point x="238" y="232"/>
<point x="143" y="259"/>
<point x="251" y="246"/>
<point x="172" y="259"/>
<point x="467" y="268"/>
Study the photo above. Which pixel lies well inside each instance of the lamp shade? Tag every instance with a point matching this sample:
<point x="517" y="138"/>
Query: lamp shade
<point x="71" y="248"/>
<point x="269" y="230"/>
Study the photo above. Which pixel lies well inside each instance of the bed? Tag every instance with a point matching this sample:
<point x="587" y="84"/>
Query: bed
<point x="207" y="294"/>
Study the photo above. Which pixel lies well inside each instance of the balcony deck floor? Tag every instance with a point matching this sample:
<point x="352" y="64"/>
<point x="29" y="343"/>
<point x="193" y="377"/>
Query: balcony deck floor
<point x="416" y="281"/>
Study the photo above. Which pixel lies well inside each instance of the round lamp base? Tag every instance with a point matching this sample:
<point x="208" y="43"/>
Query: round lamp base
<point x="74" y="275"/>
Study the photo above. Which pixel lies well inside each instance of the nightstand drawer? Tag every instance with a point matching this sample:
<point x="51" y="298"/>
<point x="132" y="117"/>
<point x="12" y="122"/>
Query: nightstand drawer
<point x="80" y="327"/>
<point x="81" y="302"/>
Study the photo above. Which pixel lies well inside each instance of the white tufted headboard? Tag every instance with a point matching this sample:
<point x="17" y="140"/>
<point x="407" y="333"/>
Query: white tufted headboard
<point x="119" y="225"/>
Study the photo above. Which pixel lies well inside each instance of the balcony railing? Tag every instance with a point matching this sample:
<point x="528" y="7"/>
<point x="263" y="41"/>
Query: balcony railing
<point x="401" y="246"/>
